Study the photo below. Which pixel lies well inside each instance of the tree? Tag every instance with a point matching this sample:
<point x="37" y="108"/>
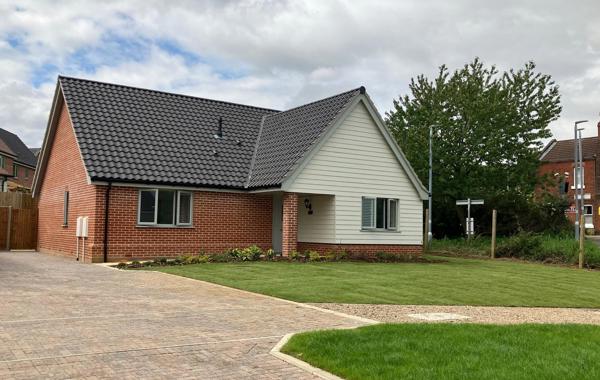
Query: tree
<point x="488" y="129"/>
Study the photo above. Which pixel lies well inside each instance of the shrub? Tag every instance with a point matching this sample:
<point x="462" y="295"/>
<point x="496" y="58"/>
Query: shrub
<point x="312" y="256"/>
<point x="235" y="254"/>
<point x="160" y="261"/>
<point x="386" y="257"/>
<point x="224" y="257"/>
<point x="251" y="253"/>
<point x="523" y="245"/>
<point x="122" y="265"/>
<point x="336" y="255"/>
<point x="269" y="254"/>
<point x="135" y="264"/>
<point x="295" y="256"/>
<point x="203" y="258"/>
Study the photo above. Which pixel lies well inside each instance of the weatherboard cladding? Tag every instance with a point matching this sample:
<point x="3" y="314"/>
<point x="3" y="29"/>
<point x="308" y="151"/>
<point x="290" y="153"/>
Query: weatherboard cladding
<point x="136" y="135"/>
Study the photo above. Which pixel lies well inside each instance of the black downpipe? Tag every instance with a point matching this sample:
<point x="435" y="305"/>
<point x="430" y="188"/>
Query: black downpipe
<point x="106" y="204"/>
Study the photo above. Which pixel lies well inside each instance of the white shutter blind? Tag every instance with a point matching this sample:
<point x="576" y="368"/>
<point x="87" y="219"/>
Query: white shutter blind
<point x="368" y="212"/>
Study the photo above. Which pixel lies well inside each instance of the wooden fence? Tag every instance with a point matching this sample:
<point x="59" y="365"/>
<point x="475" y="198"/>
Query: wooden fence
<point x="17" y="200"/>
<point x="18" y="221"/>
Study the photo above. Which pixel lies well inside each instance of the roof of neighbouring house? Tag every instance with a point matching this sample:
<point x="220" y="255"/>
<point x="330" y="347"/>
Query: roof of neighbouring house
<point x="130" y="134"/>
<point x="16" y="148"/>
<point x="564" y="150"/>
<point x="35" y="151"/>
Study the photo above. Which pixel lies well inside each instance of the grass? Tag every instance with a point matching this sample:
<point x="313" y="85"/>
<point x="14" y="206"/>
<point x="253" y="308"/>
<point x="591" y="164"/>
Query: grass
<point x="450" y="351"/>
<point x="456" y="281"/>
<point x="561" y="249"/>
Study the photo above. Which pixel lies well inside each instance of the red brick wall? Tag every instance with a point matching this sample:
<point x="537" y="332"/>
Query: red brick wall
<point x="289" y="238"/>
<point x="368" y="249"/>
<point x="65" y="172"/>
<point x="589" y="173"/>
<point x="221" y="220"/>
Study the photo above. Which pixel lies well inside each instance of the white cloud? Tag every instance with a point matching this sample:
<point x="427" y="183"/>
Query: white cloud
<point x="281" y="53"/>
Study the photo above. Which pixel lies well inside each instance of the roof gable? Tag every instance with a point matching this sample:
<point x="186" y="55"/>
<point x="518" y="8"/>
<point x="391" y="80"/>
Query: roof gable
<point x="287" y="136"/>
<point x="12" y="144"/>
<point x="133" y="135"/>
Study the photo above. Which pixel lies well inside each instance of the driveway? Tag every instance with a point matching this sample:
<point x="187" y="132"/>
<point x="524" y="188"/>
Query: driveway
<point x="62" y="319"/>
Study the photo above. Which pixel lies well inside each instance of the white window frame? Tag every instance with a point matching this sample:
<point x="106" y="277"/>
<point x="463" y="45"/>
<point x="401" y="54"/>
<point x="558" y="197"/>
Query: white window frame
<point x="178" y="209"/>
<point x="388" y="203"/>
<point x="389" y="207"/>
<point x="591" y="208"/>
<point x="582" y="184"/>
<point x="176" y="222"/>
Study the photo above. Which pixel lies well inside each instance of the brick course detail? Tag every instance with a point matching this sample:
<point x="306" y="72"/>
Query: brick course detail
<point x="368" y="249"/>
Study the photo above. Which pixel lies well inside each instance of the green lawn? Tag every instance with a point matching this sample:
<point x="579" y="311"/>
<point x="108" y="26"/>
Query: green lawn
<point x="457" y="281"/>
<point x="448" y="351"/>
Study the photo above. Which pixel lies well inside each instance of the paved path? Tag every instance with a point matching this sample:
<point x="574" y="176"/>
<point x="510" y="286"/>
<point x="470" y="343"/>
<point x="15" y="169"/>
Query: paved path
<point x="61" y="319"/>
<point x="474" y="314"/>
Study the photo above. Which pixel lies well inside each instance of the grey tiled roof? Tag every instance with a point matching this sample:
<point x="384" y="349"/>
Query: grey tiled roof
<point x="287" y="136"/>
<point x="129" y="134"/>
<point x="24" y="155"/>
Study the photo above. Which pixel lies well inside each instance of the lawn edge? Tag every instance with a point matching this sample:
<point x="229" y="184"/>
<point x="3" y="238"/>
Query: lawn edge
<point x="366" y="321"/>
<point x="276" y="352"/>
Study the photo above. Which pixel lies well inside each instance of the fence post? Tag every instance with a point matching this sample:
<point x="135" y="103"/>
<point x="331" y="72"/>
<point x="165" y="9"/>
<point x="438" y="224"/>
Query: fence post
<point x="581" y="241"/>
<point x="494" y="215"/>
<point x="426" y="234"/>
<point x="8" y="227"/>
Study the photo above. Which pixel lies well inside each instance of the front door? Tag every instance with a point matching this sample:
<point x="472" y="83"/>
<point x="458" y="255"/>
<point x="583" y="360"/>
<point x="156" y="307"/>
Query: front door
<point x="277" y="231"/>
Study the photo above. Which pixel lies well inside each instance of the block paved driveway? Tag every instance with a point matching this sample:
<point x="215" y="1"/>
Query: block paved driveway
<point x="62" y="319"/>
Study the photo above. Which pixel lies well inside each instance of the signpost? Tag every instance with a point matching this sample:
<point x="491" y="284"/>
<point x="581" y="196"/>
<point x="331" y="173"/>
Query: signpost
<point x="470" y="225"/>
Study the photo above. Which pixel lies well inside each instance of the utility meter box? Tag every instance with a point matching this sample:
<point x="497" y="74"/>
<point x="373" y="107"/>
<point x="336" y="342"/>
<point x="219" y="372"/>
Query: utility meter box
<point x="78" y="228"/>
<point x="82" y="227"/>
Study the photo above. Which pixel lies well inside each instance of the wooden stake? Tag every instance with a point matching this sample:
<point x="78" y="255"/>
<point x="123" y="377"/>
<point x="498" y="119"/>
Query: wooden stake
<point x="581" y="241"/>
<point x="426" y="229"/>
<point x="494" y="215"/>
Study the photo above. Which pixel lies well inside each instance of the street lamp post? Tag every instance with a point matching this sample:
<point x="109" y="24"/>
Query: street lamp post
<point x="578" y="175"/>
<point x="429" y="233"/>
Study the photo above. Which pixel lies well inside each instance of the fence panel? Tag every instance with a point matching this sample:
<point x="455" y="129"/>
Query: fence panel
<point x="24" y="229"/>
<point x="17" y="200"/>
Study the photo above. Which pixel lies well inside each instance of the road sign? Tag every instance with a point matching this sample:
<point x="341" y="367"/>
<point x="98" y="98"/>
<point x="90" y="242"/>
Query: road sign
<point x="470" y="222"/>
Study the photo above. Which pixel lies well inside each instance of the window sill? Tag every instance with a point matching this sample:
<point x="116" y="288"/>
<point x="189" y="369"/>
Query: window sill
<point x="160" y="226"/>
<point x="378" y="230"/>
<point x="65" y="226"/>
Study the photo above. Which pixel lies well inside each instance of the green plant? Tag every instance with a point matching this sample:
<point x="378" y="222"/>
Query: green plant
<point x="135" y="264"/>
<point x="269" y="254"/>
<point x="160" y="261"/>
<point x="122" y="265"/>
<point x="336" y="255"/>
<point x="295" y="256"/>
<point x="251" y="253"/>
<point x="224" y="257"/>
<point x="386" y="257"/>
<point x="312" y="256"/>
<point x="203" y="258"/>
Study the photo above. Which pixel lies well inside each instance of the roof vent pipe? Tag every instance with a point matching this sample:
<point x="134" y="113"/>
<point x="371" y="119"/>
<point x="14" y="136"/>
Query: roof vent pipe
<point x="220" y="129"/>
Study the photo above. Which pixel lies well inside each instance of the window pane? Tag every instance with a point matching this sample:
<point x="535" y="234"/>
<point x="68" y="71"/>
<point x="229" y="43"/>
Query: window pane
<point x="380" y="214"/>
<point x="393" y="214"/>
<point x="166" y="207"/>
<point x="368" y="206"/>
<point x="147" y="202"/>
<point x="185" y="203"/>
<point x="66" y="208"/>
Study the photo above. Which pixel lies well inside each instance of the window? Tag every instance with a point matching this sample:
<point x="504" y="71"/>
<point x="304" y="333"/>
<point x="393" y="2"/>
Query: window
<point x="165" y="207"/>
<point x="588" y="210"/>
<point x="15" y="170"/>
<point x="1" y="161"/>
<point x="66" y="208"/>
<point x="379" y="213"/>
<point x="26" y="173"/>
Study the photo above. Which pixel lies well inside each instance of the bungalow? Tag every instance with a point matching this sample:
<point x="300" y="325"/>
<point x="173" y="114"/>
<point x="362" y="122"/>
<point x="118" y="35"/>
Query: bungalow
<point x="162" y="174"/>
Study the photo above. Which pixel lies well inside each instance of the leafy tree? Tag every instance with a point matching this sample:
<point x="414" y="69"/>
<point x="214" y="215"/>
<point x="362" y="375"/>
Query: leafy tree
<point x="488" y="128"/>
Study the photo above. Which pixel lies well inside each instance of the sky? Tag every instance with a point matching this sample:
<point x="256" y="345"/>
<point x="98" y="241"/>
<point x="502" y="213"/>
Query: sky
<point x="279" y="54"/>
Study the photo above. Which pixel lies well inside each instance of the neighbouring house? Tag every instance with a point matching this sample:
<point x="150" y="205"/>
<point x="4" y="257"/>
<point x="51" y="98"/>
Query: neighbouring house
<point x="17" y="163"/>
<point x="161" y="174"/>
<point x="558" y="164"/>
